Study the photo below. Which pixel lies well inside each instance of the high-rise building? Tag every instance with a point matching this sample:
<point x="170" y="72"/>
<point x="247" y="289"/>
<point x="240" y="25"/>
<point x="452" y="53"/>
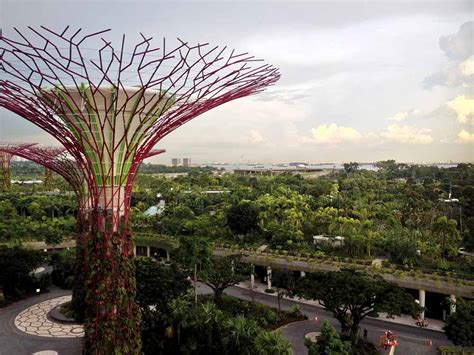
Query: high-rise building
<point x="186" y="161"/>
<point x="175" y="161"/>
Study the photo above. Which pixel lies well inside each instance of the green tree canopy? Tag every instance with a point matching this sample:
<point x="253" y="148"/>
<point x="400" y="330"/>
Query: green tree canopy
<point x="351" y="296"/>
<point x="460" y="325"/>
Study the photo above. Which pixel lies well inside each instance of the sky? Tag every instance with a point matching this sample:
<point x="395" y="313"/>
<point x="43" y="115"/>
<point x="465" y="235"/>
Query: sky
<point x="361" y="80"/>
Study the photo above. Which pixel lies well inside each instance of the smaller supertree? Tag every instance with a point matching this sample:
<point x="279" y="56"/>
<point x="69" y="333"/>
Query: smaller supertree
<point x="5" y="158"/>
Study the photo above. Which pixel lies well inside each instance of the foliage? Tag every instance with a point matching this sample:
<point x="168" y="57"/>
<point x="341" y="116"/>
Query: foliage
<point x="205" y="329"/>
<point x="460" y="325"/>
<point x="193" y="254"/>
<point x="158" y="284"/>
<point x="328" y="342"/>
<point x="242" y="218"/>
<point x="272" y="343"/>
<point x="63" y="264"/>
<point x="284" y="282"/>
<point x="16" y="267"/>
<point x="351" y="296"/>
<point x="453" y="350"/>
<point x="223" y="272"/>
<point x="263" y="315"/>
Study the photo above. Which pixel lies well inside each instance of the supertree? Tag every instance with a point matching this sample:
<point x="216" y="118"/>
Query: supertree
<point x="5" y="159"/>
<point x="57" y="159"/>
<point x="109" y="108"/>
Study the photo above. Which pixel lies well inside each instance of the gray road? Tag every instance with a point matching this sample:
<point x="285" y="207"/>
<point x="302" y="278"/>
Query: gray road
<point x="14" y="342"/>
<point x="413" y="340"/>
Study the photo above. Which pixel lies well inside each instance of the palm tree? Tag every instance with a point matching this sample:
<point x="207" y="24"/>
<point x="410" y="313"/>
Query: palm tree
<point x="241" y="336"/>
<point x="272" y="343"/>
<point x="446" y="233"/>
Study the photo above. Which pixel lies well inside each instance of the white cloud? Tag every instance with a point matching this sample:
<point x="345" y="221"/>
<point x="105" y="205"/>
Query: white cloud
<point x="467" y="67"/>
<point x="407" y="134"/>
<point x="398" y="117"/>
<point x="458" y="48"/>
<point x="333" y="134"/>
<point x="465" y="137"/>
<point x="255" y="137"/>
<point x="464" y="108"/>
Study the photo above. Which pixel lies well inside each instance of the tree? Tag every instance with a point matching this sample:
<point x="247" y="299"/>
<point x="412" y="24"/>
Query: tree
<point x="223" y="272"/>
<point x="16" y="266"/>
<point x="460" y="325"/>
<point x="242" y="218"/>
<point x="351" y="167"/>
<point x="284" y="281"/>
<point x="329" y="342"/>
<point x="351" y="296"/>
<point x="193" y="253"/>
<point x="272" y="343"/>
<point x="158" y="284"/>
<point x="447" y="236"/>
<point x="241" y="335"/>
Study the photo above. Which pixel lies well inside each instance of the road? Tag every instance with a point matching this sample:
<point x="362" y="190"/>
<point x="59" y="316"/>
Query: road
<point x="413" y="340"/>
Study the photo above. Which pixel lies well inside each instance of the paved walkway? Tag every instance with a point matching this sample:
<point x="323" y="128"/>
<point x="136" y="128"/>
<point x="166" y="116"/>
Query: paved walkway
<point x="34" y="320"/>
<point x="14" y="341"/>
<point x="433" y="324"/>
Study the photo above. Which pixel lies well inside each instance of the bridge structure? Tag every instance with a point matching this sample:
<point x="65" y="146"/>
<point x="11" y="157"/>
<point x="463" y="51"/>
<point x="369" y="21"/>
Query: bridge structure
<point x="452" y="285"/>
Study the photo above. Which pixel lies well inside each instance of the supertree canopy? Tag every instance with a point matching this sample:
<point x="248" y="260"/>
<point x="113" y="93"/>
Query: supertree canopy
<point x="109" y="107"/>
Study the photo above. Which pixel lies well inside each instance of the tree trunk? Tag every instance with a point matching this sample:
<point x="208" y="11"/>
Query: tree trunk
<point x="218" y="295"/>
<point x="195" y="285"/>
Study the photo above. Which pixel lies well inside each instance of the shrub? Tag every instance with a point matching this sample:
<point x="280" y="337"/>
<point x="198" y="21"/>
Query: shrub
<point x="63" y="268"/>
<point x="16" y="266"/>
<point x="269" y="290"/>
<point x="453" y="350"/>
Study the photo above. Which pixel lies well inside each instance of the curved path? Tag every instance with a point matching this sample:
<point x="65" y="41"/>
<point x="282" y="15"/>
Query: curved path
<point x="34" y="320"/>
<point x="14" y="341"/>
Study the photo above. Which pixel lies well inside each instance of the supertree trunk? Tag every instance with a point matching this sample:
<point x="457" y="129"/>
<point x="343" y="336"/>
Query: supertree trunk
<point x="6" y="175"/>
<point x="5" y="160"/>
<point x="112" y="318"/>
<point x="48" y="178"/>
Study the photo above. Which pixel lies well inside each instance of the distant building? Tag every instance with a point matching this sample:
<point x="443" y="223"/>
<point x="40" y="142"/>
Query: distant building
<point x="186" y="161"/>
<point x="278" y="171"/>
<point x="175" y="161"/>
<point x="336" y="241"/>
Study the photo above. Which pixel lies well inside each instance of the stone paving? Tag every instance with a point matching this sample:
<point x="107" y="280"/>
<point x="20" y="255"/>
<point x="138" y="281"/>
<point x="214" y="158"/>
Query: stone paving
<point x="34" y="320"/>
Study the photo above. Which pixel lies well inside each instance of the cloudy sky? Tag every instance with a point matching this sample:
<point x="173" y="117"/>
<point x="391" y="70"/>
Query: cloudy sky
<point x="361" y="80"/>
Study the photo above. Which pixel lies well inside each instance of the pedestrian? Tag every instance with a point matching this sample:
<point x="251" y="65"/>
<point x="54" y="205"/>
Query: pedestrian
<point x="365" y="334"/>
